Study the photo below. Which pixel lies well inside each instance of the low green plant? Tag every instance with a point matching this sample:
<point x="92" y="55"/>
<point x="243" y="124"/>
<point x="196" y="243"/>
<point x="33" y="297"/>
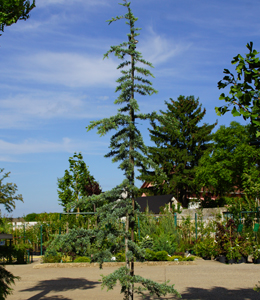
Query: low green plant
<point x="82" y="259"/>
<point x="52" y="258"/>
<point x="175" y="257"/>
<point x="147" y="242"/>
<point x="120" y="257"/>
<point x="165" y="242"/>
<point x="256" y="251"/>
<point x="181" y="258"/>
<point x="150" y="255"/>
<point x="189" y="258"/>
<point x="206" y="248"/>
<point x="161" y="256"/>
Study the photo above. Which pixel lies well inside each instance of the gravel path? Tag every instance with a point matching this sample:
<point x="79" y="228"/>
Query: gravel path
<point x="206" y="280"/>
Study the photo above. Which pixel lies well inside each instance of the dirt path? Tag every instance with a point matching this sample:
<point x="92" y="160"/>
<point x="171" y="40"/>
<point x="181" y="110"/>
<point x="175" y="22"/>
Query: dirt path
<point x="207" y="280"/>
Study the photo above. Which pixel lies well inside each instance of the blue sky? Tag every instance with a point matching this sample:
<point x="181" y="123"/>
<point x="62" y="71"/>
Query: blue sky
<point x="54" y="80"/>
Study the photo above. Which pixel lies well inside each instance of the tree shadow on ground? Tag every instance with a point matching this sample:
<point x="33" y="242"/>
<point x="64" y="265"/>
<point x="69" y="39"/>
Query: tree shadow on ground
<point x="60" y="285"/>
<point x="215" y="293"/>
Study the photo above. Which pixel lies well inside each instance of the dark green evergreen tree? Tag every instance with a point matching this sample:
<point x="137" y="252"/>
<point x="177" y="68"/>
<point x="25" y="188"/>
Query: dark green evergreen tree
<point x="180" y="143"/>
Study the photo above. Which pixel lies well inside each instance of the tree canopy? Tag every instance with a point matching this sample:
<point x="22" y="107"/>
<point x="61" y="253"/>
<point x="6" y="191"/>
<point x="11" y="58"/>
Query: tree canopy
<point x="13" y="10"/>
<point x="232" y="165"/>
<point x="180" y="142"/>
<point x="8" y="192"/>
<point x="244" y="94"/>
<point x="76" y="184"/>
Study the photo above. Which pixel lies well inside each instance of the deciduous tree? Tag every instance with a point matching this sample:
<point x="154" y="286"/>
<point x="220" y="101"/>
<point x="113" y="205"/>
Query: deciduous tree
<point x="76" y="184"/>
<point x="13" y="10"/>
<point x="232" y="165"/>
<point x="8" y="192"/>
<point x="244" y="91"/>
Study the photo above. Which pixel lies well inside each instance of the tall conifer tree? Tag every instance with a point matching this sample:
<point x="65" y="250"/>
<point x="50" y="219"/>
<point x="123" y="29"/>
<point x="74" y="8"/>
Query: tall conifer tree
<point x="128" y="148"/>
<point x="180" y="143"/>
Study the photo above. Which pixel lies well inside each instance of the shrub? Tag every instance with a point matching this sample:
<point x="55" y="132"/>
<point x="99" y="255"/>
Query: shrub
<point x="166" y="243"/>
<point x="82" y="259"/>
<point x="189" y="258"/>
<point x="147" y="242"/>
<point x="149" y="255"/>
<point x="172" y="258"/>
<point x="180" y="258"/>
<point x="120" y="257"/>
<point x="161" y="255"/>
<point x="51" y="258"/>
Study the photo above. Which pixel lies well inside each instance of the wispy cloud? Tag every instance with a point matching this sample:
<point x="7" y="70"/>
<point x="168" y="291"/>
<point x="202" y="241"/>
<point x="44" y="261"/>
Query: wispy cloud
<point x="29" y="146"/>
<point x="69" y="69"/>
<point x="158" y="49"/>
<point x="29" y="108"/>
<point x="42" y="3"/>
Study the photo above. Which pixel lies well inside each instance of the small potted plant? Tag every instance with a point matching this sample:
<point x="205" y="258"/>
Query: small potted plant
<point x="245" y="249"/>
<point x="230" y="254"/>
<point x="256" y="254"/>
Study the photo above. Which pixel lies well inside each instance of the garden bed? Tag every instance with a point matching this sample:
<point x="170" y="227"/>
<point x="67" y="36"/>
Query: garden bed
<point x="112" y="264"/>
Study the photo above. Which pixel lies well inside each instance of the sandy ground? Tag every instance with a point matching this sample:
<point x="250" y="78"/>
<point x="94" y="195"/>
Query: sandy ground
<point x="205" y="280"/>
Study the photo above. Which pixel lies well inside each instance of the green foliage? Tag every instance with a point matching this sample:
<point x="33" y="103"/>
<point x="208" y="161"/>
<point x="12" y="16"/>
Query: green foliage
<point x="236" y="205"/>
<point x="231" y="166"/>
<point x="165" y="242"/>
<point x="6" y="279"/>
<point x="147" y="242"/>
<point x="159" y="233"/>
<point x="161" y="255"/>
<point x="32" y="217"/>
<point x="181" y="258"/>
<point x="82" y="259"/>
<point x="5" y="225"/>
<point x="120" y="257"/>
<point x="206" y="248"/>
<point x="149" y="254"/>
<point x="13" y="10"/>
<point x="127" y="281"/>
<point x="128" y="149"/>
<point x="243" y="98"/>
<point x="52" y="258"/>
<point x="179" y="144"/>
<point x="76" y="184"/>
<point x="8" y="193"/>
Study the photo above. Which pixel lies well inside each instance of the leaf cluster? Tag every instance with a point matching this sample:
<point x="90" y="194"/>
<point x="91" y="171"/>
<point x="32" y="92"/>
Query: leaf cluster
<point x="13" y="10"/>
<point x="8" y="194"/>
<point x="244" y="96"/>
<point x="6" y="279"/>
<point x="76" y="183"/>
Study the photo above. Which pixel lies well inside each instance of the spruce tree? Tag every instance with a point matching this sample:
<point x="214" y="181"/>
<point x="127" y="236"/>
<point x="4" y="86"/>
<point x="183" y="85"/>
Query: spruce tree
<point x="180" y="142"/>
<point x="128" y="148"/>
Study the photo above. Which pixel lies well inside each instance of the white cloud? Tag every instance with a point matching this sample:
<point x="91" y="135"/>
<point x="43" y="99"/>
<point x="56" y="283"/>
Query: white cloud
<point x="29" y="108"/>
<point x="160" y="49"/>
<point x="69" y="69"/>
<point x="42" y="3"/>
<point x="29" y="146"/>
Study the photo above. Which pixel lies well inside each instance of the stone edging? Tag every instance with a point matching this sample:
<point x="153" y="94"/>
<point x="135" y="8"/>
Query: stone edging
<point x="112" y="264"/>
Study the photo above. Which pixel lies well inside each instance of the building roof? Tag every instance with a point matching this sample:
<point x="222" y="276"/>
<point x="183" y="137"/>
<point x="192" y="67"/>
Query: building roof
<point x="5" y="236"/>
<point x="153" y="203"/>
